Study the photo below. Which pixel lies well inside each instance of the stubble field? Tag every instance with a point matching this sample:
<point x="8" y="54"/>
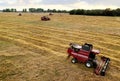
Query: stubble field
<point x="34" y="50"/>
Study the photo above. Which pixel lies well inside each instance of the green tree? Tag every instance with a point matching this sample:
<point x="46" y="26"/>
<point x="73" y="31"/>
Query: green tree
<point x="118" y="12"/>
<point x="12" y="10"/>
<point x="72" y="12"/>
<point x="24" y="10"/>
<point x="7" y="10"/>
<point x="39" y="10"/>
<point x="32" y="10"/>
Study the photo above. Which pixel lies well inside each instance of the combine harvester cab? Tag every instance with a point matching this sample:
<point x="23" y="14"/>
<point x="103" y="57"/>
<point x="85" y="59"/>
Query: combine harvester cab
<point x="86" y="54"/>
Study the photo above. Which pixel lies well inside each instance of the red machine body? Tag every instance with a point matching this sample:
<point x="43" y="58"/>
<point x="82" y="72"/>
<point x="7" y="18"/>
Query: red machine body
<point x="87" y="55"/>
<point x="45" y="18"/>
<point x="82" y="55"/>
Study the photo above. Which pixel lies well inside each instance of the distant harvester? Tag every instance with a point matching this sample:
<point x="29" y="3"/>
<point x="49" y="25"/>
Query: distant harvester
<point x="45" y="18"/>
<point x="50" y="14"/>
<point x="19" y="14"/>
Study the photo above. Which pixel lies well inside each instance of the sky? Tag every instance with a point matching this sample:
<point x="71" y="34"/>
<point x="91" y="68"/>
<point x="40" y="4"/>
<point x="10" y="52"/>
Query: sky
<point x="60" y="4"/>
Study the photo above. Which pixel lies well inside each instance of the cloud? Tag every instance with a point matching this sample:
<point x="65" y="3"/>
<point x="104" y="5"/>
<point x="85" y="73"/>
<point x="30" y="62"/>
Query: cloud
<point x="60" y="4"/>
<point x="19" y="2"/>
<point x="103" y="2"/>
<point x="35" y="1"/>
<point x="8" y="2"/>
<point x="92" y="4"/>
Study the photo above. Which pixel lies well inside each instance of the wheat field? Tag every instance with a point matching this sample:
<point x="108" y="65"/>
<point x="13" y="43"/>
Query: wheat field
<point x="35" y="50"/>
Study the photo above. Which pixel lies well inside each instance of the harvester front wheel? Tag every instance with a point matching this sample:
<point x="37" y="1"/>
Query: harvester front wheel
<point x="89" y="64"/>
<point x="74" y="60"/>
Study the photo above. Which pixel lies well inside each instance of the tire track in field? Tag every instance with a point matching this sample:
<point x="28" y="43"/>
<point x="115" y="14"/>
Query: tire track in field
<point x="89" y="40"/>
<point x="74" y="37"/>
<point x="41" y="43"/>
<point x="79" y="35"/>
<point x="60" y="30"/>
<point x="98" y="42"/>
<point x="27" y="44"/>
<point x="102" y="37"/>
<point x="76" y="32"/>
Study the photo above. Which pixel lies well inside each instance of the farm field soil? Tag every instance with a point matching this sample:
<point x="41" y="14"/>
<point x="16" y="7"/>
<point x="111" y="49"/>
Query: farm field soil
<point x="35" y="50"/>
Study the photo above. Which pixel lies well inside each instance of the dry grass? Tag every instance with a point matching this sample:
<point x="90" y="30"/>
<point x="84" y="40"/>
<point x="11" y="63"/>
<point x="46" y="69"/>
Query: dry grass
<point x="33" y="50"/>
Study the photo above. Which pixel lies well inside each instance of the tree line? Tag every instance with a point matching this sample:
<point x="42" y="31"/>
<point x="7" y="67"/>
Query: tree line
<point x="35" y="10"/>
<point x="9" y="10"/>
<point x="96" y="12"/>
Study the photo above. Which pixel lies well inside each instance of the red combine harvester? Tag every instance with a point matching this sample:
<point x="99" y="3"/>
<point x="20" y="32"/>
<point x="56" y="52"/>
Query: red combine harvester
<point x="45" y="18"/>
<point x="86" y="54"/>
